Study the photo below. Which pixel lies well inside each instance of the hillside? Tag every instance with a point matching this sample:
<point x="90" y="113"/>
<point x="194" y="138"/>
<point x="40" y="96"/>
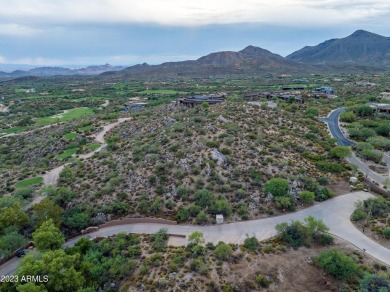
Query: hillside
<point x="249" y="61"/>
<point x="360" y="48"/>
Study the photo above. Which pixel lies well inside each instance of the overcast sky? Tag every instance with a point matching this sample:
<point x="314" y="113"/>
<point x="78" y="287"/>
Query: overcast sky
<point x="120" y="32"/>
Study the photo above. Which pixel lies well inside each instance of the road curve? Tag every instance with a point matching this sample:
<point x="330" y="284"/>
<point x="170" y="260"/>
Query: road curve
<point x="335" y="213"/>
<point x="333" y="124"/>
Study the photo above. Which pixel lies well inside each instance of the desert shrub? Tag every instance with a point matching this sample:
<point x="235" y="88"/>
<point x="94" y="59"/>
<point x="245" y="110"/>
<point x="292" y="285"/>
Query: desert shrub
<point x="182" y="215"/>
<point x="374" y="283"/>
<point x="284" y="201"/>
<point x="331" y="167"/>
<point x="358" y="214"/>
<point x="204" y="198"/>
<point x="348" y="117"/>
<point x="222" y="207"/>
<point x="299" y="233"/>
<point x="337" y="263"/>
<point x="307" y="197"/>
<point x="223" y="251"/>
<point x="386" y="232"/>
<point x="263" y="281"/>
<point x="277" y="186"/>
<point x="212" y="144"/>
<point x="159" y="239"/>
<point x="252" y="243"/>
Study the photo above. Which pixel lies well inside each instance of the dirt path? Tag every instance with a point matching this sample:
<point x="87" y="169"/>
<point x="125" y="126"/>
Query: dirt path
<point x="51" y="177"/>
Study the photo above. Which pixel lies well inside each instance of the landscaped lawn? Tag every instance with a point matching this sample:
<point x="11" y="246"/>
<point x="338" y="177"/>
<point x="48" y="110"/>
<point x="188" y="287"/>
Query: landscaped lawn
<point x="29" y="182"/>
<point x="70" y="136"/>
<point x="67" y="153"/>
<point x="13" y="130"/>
<point x="70" y="115"/>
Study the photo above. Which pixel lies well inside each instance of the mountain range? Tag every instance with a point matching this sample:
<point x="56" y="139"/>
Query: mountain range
<point x="55" y="71"/>
<point x="362" y="48"/>
<point x="362" y="51"/>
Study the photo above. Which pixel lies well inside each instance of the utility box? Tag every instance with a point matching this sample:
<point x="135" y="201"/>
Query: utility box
<point x="219" y="218"/>
<point x="353" y="179"/>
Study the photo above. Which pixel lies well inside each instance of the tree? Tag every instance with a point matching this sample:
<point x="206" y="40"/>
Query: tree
<point x="11" y="241"/>
<point x="48" y="236"/>
<point x="340" y="152"/>
<point x="58" y="266"/>
<point x="223" y="251"/>
<point x="204" y="198"/>
<point x="337" y="263"/>
<point x="196" y="237"/>
<point x="78" y="221"/>
<point x="307" y="197"/>
<point x="277" y="186"/>
<point x="12" y="216"/>
<point x="46" y="210"/>
<point x="222" y="207"/>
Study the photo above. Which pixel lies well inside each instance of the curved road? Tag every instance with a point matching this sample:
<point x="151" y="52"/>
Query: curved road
<point x="335" y="213"/>
<point x="334" y="128"/>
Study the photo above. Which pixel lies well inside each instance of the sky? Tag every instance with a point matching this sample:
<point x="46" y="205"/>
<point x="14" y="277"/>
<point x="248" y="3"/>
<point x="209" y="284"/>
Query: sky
<point x="120" y="32"/>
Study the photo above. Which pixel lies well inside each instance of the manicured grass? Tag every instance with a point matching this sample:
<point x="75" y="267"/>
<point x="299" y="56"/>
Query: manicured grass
<point x="85" y="129"/>
<point x="13" y="130"/>
<point x="92" y="147"/>
<point x="68" y="153"/>
<point x="29" y="182"/>
<point x="70" y="136"/>
<point x="162" y="91"/>
<point x="70" y="115"/>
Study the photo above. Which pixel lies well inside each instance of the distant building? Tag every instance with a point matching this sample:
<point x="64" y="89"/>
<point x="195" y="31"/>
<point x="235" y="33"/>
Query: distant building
<point x="325" y="90"/>
<point x="193" y="100"/>
<point x="135" y="103"/>
<point x="384" y="95"/>
<point x="380" y="108"/>
<point x="285" y="96"/>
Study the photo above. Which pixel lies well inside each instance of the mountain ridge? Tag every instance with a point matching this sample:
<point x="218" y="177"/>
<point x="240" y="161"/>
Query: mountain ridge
<point x="360" y="48"/>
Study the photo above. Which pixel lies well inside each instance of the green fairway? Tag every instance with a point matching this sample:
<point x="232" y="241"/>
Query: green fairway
<point x="13" y="130"/>
<point x="92" y="147"/>
<point x="68" y="153"/>
<point x="161" y="91"/>
<point x="29" y="182"/>
<point x="70" y="136"/>
<point x="69" y="115"/>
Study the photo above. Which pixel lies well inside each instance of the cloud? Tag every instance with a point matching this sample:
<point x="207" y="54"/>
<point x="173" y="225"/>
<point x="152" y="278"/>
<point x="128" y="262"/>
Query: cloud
<point x="192" y="13"/>
<point x="14" y="29"/>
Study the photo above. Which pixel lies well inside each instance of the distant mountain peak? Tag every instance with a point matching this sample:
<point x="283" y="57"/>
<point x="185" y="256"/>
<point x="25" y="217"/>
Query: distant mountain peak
<point x="362" y="48"/>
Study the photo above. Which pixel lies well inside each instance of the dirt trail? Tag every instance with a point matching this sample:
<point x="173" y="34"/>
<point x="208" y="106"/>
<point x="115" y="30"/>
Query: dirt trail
<point x="51" y="177"/>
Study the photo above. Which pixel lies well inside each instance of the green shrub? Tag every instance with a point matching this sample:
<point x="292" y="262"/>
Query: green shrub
<point x="307" y="197"/>
<point x="337" y="263"/>
<point x="277" y="187"/>
<point x="223" y="251"/>
<point x="358" y="215"/>
<point x="386" y="232"/>
<point x="252" y="243"/>
<point x="212" y="144"/>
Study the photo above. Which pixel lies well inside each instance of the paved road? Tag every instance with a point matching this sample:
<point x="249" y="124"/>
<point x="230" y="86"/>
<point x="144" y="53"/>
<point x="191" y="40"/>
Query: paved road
<point x="334" y="212"/>
<point x="333" y="124"/>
